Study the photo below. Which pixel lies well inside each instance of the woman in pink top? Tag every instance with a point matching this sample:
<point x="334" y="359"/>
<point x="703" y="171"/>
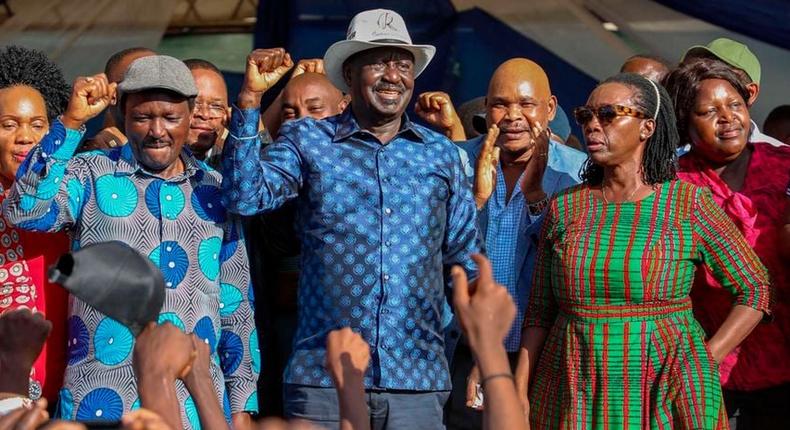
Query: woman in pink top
<point x="748" y="180"/>
<point x="32" y="93"/>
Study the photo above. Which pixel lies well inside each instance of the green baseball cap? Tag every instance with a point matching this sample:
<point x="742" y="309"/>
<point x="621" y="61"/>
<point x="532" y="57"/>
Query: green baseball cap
<point x="734" y="53"/>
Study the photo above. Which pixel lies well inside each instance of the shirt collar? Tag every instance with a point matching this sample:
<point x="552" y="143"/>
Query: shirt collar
<point x="126" y="164"/>
<point x="347" y="126"/>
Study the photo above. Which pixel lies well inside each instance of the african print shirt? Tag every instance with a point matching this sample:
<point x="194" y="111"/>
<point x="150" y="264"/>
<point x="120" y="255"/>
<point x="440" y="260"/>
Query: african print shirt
<point x="379" y="226"/>
<point x="181" y="225"/>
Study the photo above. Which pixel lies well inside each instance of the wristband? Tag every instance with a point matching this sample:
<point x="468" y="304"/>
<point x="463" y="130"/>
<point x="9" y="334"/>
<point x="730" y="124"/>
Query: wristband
<point x="537" y="207"/>
<point x="497" y="375"/>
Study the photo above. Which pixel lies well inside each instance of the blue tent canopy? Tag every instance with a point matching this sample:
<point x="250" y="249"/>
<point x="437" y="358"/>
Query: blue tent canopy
<point x="765" y="20"/>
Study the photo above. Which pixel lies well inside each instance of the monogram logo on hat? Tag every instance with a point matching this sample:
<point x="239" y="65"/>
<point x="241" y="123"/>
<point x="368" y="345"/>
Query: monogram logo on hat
<point x="385" y="22"/>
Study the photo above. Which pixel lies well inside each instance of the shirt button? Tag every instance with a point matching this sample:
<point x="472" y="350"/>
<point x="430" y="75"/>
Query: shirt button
<point x="388" y="243"/>
<point x="386" y="277"/>
<point x="387" y="211"/>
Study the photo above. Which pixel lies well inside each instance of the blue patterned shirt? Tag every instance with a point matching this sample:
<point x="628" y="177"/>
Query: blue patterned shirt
<point x="380" y="226"/>
<point x="181" y="225"/>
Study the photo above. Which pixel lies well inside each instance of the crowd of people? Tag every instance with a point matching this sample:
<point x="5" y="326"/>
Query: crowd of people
<point x="330" y="261"/>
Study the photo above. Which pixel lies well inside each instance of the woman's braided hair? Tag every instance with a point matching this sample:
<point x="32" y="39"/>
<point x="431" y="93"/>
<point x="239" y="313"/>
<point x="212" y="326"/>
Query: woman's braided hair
<point x="659" y="163"/>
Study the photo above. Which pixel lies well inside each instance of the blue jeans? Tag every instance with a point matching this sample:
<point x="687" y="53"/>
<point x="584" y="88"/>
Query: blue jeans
<point x="388" y="409"/>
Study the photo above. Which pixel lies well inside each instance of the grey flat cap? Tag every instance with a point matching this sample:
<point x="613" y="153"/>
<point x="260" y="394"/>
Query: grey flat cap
<point x="158" y="72"/>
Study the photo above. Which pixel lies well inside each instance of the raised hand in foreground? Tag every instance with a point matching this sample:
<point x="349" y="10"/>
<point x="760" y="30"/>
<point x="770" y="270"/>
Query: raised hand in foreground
<point x="162" y="354"/>
<point x="22" y="336"/>
<point x="486" y="311"/>
<point x="201" y="387"/>
<point x="347" y="359"/>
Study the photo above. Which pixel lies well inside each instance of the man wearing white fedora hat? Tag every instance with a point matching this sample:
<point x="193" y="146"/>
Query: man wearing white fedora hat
<point x="383" y="212"/>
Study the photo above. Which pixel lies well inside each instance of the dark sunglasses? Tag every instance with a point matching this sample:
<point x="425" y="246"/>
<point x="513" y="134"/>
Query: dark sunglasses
<point x="605" y="114"/>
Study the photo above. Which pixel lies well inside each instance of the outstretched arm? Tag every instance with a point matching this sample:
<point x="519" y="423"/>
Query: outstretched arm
<point x="51" y="188"/>
<point x="486" y="312"/>
<point x="254" y="182"/>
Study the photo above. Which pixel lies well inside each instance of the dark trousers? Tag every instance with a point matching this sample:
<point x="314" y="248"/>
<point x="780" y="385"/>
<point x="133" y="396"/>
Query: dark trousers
<point x="766" y="409"/>
<point x="389" y="410"/>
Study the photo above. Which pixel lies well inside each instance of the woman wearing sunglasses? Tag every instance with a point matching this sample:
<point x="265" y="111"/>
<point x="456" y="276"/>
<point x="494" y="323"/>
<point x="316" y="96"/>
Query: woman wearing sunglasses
<point x="609" y="337"/>
<point x="748" y="181"/>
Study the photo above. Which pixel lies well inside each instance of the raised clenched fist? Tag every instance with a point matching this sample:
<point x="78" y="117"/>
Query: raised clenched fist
<point x="312" y="65"/>
<point x="163" y="350"/>
<point x="89" y="97"/>
<point x="265" y="67"/>
<point x="436" y="108"/>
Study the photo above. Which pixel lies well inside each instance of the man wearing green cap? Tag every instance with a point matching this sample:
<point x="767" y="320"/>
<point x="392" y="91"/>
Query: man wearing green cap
<point x="743" y="62"/>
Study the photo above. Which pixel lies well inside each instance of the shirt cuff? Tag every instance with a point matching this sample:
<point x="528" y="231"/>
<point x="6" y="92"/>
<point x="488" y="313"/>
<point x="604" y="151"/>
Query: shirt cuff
<point x="62" y="142"/>
<point x="244" y="122"/>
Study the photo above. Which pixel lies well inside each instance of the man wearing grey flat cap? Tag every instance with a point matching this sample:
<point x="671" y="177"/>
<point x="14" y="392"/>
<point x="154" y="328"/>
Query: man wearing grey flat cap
<point x="383" y="212"/>
<point x="154" y="196"/>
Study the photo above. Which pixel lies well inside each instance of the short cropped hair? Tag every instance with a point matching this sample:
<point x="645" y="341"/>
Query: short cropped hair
<point x="23" y="66"/>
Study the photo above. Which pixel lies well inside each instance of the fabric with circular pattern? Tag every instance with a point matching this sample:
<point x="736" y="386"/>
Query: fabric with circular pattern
<point x="151" y="197"/>
<point x="252" y="402"/>
<point x="191" y="411"/>
<point x="231" y="351"/>
<point x="42" y="223"/>
<point x="207" y="203"/>
<point x="65" y="405"/>
<point x="50" y="185"/>
<point x="78" y="342"/>
<point x="172" y="200"/>
<point x="230" y="299"/>
<point x="172" y="260"/>
<point x="100" y="404"/>
<point x="204" y="329"/>
<point x="102" y="197"/>
<point x="112" y="342"/>
<point x="116" y="196"/>
<point x="172" y="318"/>
<point x="76" y="196"/>
<point x="208" y="257"/>
<point x="255" y="352"/>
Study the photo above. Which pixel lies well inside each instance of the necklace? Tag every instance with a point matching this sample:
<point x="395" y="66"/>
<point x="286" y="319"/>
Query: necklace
<point x="628" y="199"/>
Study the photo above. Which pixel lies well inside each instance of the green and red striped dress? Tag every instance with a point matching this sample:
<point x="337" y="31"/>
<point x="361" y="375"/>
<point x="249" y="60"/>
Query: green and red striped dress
<point x="612" y="285"/>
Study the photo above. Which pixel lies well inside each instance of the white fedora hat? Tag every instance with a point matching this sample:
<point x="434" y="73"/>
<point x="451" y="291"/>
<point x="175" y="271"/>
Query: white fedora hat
<point x="372" y="29"/>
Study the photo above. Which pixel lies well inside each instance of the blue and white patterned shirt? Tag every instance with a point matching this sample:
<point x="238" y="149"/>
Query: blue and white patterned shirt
<point x="181" y="225"/>
<point x="380" y="226"/>
<point x="501" y="237"/>
<point x="511" y="232"/>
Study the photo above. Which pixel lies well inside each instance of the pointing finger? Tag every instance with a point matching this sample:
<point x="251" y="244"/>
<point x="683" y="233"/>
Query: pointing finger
<point x="485" y="278"/>
<point x="460" y="287"/>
